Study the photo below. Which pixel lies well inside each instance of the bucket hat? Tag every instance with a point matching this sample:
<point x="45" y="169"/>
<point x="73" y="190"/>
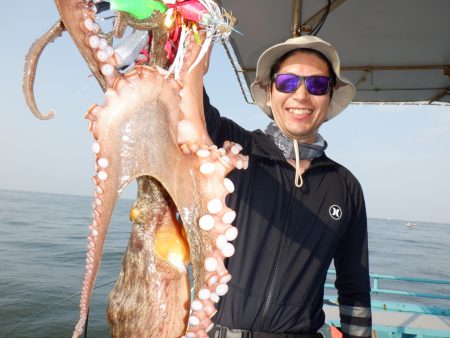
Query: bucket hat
<point x="343" y="92"/>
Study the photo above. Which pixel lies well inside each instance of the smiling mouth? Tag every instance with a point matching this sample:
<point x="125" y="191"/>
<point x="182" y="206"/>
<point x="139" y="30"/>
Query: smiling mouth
<point x="300" y="111"/>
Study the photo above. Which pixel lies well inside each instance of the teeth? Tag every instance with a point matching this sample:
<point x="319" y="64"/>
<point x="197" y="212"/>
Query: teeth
<point x="300" y="111"/>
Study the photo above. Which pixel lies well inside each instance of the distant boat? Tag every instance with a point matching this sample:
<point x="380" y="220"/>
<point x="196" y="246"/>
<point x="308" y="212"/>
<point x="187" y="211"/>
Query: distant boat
<point x="409" y="224"/>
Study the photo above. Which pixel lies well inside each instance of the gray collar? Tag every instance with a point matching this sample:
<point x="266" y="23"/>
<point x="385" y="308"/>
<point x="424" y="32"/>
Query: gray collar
<point x="286" y="145"/>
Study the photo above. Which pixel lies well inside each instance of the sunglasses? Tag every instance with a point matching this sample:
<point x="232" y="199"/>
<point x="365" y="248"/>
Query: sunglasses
<point x="289" y="83"/>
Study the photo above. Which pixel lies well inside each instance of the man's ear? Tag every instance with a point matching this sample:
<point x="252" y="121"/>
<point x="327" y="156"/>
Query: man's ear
<point x="269" y="96"/>
<point x="329" y="109"/>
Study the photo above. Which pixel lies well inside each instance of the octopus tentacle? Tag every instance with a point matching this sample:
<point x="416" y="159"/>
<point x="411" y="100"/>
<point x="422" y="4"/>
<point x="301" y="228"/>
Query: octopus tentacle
<point x="213" y="165"/>
<point x="151" y="127"/>
<point x="79" y="19"/>
<point x="216" y="221"/>
<point x="127" y="134"/>
<point x="31" y="61"/>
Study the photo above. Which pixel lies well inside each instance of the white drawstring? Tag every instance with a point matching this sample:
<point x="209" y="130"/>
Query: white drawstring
<point x="298" y="181"/>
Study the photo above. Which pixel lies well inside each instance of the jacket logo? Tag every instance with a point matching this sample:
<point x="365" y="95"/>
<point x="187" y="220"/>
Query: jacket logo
<point x="335" y="212"/>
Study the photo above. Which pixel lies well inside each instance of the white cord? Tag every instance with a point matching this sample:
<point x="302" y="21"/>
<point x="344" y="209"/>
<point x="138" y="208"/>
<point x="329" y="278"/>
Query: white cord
<point x="298" y="181"/>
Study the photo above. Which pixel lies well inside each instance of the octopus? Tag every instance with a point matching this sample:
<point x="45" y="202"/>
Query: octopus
<point x="151" y="128"/>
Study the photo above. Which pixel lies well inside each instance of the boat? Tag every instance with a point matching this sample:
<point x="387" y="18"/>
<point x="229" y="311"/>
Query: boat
<point x="403" y="316"/>
<point x="395" y="52"/>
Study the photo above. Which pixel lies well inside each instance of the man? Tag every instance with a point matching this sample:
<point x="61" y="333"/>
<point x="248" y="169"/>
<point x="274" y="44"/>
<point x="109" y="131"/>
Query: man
<point x="297" y="210"/>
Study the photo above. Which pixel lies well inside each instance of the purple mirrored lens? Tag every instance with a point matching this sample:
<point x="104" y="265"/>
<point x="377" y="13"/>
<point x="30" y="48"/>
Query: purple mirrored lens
<point x="315" y="84"/>
<point x="287" y="83"/>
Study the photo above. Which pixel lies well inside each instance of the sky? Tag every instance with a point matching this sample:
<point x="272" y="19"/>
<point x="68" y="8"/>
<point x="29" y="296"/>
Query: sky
<point x="400" y="154"/>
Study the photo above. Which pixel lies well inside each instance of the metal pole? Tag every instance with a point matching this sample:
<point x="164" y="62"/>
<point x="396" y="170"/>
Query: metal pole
<point x="445" y="68"/>
<point x="297" y="20"/>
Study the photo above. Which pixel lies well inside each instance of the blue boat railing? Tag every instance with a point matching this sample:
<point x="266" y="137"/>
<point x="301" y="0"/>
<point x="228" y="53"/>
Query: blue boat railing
<point x="378" y="288"/>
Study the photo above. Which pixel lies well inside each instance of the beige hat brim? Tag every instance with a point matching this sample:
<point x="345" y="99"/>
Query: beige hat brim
<point x="344" y="90"/>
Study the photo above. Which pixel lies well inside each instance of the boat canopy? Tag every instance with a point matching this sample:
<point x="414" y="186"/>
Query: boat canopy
<point x="394" y="51"/>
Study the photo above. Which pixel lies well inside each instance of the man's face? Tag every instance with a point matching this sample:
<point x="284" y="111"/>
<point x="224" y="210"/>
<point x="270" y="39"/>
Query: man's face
<point x="300" y="114"/>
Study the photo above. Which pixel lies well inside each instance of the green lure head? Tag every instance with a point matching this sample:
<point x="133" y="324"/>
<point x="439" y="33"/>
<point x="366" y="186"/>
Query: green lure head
<point x="140" y="9"/>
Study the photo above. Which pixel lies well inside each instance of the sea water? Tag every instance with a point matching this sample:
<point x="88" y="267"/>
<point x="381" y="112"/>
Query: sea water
<point x="42" y="254"/>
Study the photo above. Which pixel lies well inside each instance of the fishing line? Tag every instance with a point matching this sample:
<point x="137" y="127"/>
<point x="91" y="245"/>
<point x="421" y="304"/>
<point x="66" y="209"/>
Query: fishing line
<point x="86" y="85"/>
<point x="87" y="323"/>
<point x="23" y="321"/>
<point x="106" y="18"/>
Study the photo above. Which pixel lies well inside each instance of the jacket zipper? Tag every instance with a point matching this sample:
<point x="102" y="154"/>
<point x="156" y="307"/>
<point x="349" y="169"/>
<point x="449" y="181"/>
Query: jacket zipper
<point x="273" y="281"/>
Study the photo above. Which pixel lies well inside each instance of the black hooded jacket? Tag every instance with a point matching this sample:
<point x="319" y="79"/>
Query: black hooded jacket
<point x="288" y="237"/>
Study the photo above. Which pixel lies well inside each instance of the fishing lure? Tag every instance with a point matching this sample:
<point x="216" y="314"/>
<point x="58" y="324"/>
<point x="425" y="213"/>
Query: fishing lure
<point x="140" y="9"/>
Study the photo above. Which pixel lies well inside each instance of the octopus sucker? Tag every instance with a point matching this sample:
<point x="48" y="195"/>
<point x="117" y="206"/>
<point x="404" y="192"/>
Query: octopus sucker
<point x="73" y="13"/>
